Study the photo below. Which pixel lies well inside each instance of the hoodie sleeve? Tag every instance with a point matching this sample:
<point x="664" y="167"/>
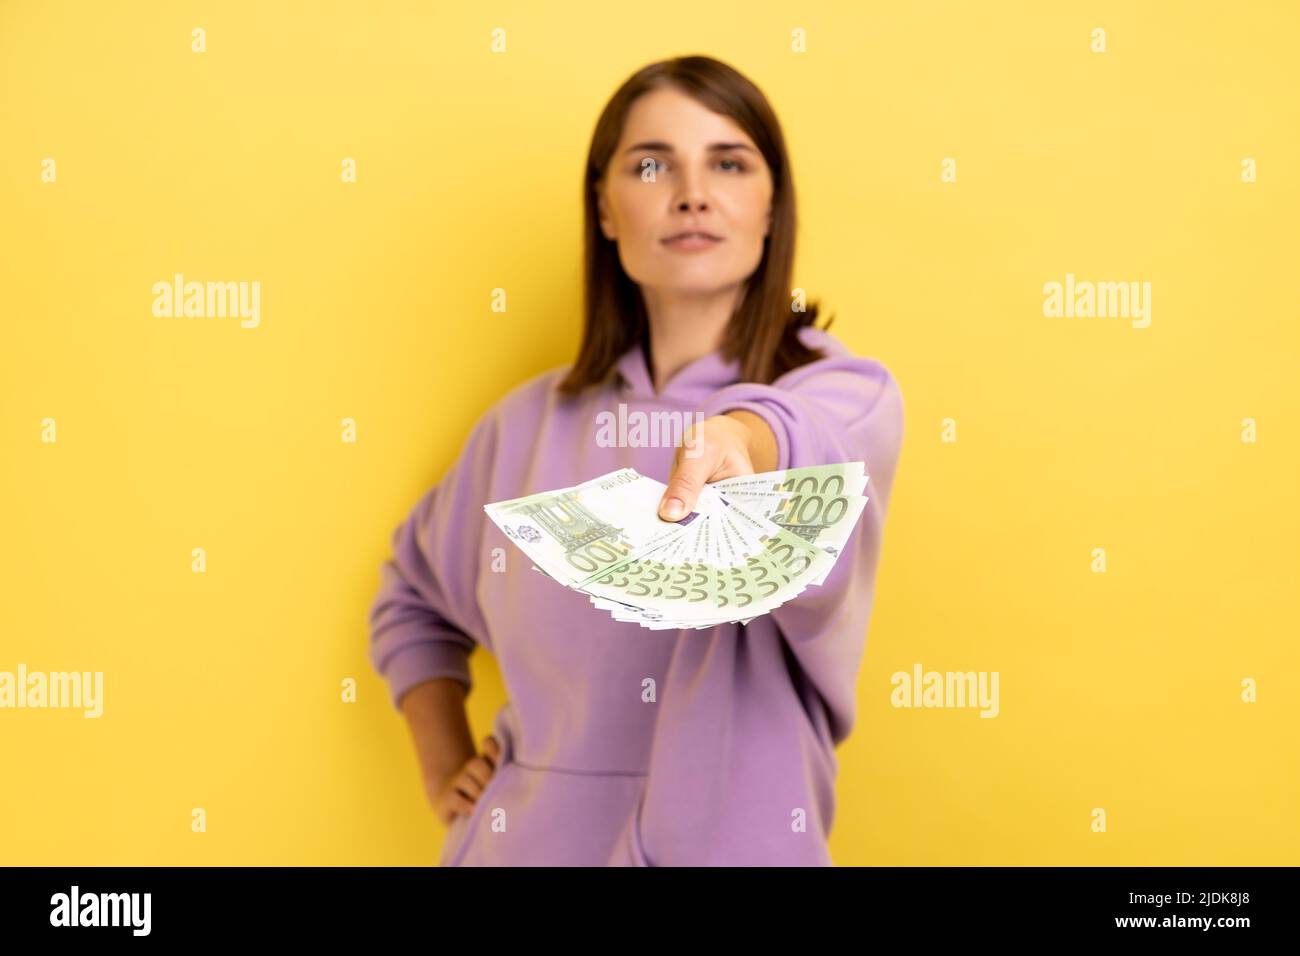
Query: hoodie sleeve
<point x="425" y="613"/>
<point x="839" y="408"/>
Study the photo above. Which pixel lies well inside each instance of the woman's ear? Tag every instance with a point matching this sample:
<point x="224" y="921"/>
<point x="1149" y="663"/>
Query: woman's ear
<point x="602" y="214"/>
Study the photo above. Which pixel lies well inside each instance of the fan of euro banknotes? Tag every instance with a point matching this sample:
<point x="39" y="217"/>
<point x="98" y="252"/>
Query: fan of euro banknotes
<point x="752" y="542"/>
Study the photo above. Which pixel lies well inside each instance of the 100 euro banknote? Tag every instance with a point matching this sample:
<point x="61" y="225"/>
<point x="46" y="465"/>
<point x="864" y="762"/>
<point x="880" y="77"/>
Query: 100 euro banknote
<point x="751" y="543"/>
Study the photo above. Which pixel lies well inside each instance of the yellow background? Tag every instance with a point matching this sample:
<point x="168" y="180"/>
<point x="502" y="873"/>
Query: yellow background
<point x="222" y="690"/>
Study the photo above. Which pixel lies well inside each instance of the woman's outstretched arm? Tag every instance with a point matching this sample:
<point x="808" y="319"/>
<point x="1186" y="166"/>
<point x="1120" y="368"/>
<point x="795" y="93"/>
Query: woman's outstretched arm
<point x="837" y="409"/>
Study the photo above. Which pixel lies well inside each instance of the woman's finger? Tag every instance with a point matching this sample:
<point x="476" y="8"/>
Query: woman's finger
<point x="688" y="477"/>
<point x="478" y="770"/>
<point x="492" y="750"/>
<point x="469" y="784"/>
<point x="457" y="802"/>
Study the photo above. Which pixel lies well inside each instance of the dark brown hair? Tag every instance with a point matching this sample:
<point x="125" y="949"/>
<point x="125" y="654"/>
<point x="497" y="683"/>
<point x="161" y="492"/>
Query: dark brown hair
<point x="763" y="332"/>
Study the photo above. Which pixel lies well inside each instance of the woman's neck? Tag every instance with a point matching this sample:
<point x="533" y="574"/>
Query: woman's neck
<point x="684" y="328"/>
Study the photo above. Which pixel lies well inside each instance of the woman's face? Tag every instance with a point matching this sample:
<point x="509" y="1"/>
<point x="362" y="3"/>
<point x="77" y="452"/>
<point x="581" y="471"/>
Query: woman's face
<point x="680" y="167"/>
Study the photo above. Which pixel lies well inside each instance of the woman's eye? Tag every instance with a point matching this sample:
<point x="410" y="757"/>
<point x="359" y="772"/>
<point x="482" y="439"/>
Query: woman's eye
<point x="656" y="166"/>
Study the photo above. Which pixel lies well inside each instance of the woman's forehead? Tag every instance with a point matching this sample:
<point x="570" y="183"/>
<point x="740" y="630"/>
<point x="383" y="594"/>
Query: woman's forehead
<point x="679" y="121"/>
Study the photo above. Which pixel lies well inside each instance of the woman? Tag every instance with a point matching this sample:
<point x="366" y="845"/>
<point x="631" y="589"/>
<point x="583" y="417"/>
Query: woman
<point x="619" y="744"/>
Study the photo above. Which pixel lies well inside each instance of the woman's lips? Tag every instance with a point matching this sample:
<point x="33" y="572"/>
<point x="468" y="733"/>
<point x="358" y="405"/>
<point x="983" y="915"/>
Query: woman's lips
<point x="692" y="242"/>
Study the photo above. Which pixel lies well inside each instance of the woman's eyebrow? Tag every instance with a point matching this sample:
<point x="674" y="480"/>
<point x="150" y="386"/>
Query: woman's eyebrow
<point x="662" y="147"/>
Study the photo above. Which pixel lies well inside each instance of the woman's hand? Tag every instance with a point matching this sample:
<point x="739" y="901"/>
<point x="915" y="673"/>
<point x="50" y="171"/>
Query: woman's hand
<point x="459" y="793"/>
<point x="722" y="446"/>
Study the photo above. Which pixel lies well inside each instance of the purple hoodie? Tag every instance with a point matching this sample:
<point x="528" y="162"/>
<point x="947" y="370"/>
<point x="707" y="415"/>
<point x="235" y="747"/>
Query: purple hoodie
<point x="623" y="745"/>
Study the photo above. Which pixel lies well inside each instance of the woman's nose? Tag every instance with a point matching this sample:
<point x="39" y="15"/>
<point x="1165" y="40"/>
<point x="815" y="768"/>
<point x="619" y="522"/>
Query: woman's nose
<point x="692" y="192"/>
